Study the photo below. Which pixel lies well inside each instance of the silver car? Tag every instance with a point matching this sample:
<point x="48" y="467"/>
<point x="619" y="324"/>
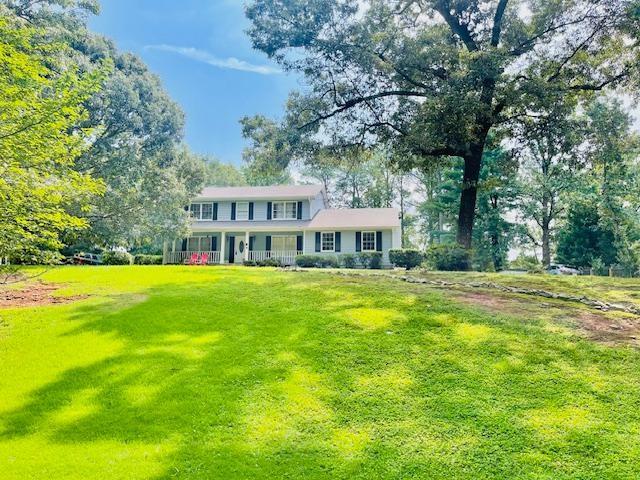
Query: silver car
<point x="557" y="269"/>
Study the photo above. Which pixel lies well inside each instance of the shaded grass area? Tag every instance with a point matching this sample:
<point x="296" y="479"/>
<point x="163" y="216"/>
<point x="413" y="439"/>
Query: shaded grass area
<point x="187" y="372"/>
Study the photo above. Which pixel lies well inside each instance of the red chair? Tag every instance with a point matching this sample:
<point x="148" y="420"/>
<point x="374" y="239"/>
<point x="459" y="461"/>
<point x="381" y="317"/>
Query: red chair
<point x="194" y="259"/>
<point x="204" y="258"/>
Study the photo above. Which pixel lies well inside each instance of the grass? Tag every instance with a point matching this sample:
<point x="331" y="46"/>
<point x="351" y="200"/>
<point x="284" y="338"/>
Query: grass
<point x="235" y="373"/>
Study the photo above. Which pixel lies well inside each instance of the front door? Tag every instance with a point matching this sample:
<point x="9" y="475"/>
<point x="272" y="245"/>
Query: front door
<point x="239" y="249"/>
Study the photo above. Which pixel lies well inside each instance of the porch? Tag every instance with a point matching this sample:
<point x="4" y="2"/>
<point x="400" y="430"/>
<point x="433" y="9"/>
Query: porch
<point x="235" y="248"/>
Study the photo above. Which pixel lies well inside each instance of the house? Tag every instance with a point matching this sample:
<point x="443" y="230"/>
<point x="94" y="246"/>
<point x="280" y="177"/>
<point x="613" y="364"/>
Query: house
<point x="237" y="224"/>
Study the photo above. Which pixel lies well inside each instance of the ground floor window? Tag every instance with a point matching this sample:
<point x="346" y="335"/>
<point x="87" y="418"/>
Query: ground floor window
<point x="328" y="241"/>
<point x="368" y="241"/>
<point x="283" y="243"/>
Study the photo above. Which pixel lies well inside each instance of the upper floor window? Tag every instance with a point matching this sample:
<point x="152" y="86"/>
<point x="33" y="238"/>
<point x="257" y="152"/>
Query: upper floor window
<point x="242" y="211"/>
<point x="285" y="210"/>
<point x="201" y="211"/>
<point x="368" y="241"/>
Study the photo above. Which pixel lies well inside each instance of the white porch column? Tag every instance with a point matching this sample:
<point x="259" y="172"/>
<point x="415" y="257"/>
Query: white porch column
<point x="223" y="238"/>
<point x="304" y="240"/>
<point x="246" y="246"/>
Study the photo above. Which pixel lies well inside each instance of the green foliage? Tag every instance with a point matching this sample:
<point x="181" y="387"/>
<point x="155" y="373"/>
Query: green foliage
<point x="318" y="261"/>
<point x="116" y="258"/>
<point x="406" y="258"/>
<point x="525" y="262"/>
<point x="448" y="257"/>
<point x="269" y="262"/>
<point x="349" y="260"/>
<point x="41" y="105"/>
<point x="145" y="259"/>
<point x="372" y="260"/>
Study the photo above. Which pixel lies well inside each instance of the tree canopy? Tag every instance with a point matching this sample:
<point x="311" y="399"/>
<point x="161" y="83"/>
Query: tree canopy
<point x="436" y="76"/>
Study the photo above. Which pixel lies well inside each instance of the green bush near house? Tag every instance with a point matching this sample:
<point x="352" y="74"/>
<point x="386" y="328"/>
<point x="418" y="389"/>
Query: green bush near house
<point x="448" y="257"/>
<point x="145" y="259"/>
<point x="117" y="258"/>
<point x="317" y="261"/>
<point x="250" y="263"/>
<point x="269" y="262"/>
<point x="349" y="260"/>
<point x="406" y="258"/>
<point x="372" y="260"/>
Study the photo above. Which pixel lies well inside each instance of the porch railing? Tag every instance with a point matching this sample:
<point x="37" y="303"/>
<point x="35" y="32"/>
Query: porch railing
<point x="287" y="257"/>
<point x="185" y="257"/>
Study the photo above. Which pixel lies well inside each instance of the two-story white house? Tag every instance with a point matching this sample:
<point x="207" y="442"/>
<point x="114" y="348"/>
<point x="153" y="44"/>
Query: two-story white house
<point x="237" y="224"/>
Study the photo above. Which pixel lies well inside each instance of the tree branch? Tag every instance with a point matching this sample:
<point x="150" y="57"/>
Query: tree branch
<point x="443" y="8"/>
<point x="497" y="23"/>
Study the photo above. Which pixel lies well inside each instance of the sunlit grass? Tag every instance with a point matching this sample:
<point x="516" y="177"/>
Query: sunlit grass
<point x="236" y="373"/>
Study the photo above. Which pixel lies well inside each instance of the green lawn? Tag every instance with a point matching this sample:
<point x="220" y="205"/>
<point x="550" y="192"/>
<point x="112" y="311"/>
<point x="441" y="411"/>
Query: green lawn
<point x="207" y="372"/>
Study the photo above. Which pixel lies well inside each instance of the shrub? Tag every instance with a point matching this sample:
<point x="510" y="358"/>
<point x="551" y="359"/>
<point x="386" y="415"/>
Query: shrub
<point x="307" y="261"/>
<point x="318" y="261"/>
<point x="269" y="262"/>
<point x="250" y="263"/>
<point x="407" y="258"/>
<point x="448" y="257"/>
<point x="144" y="259"/>
<point x="371" y="260"/>
<point x="525" y="262"/>
<point x="328" y="261"/>
<point x="116" y="258"/>
<point x="349" y="260"/>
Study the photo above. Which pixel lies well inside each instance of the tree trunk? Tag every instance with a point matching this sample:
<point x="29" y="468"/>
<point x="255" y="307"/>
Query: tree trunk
<point x="546" y="244"/>
<point x="466" y="215"/>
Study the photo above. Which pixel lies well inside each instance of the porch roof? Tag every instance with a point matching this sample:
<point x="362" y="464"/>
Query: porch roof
<point x="251" y="226"/>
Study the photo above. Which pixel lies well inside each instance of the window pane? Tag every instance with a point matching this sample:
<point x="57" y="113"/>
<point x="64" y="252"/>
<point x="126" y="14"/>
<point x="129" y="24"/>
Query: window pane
<point x="195" y="210"/>
<point x="283" y="243"/>
<point x="242" y="211"/>
<point x="327" y="242"/>
<point x="291" y="209"/>
<point x="207" y="211"/>
<point x="194" y="244"/>
<point x="368" y="241"/>
<point x="278" y="209"/>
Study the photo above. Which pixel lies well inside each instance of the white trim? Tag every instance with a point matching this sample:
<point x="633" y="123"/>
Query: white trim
<point x="238" y="219"/>
<point x="199" y="218"/>
<point x="273" y="209"/>
<point x="375" y="240"/>
<point x="322" y="250"/>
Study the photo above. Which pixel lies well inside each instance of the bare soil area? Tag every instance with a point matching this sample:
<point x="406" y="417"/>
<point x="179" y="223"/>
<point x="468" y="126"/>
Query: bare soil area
<point x="33" y="295"/>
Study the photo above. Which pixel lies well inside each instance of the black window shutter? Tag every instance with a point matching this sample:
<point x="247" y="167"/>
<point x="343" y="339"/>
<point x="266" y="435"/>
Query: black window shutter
<point x="269" y="204"/>
<point x="232" y="248"/>
<point x="186" y="208"/>
<point x="250" y="210"/>
<point x="379" y="241"/>
<point x="215" y="211"/>
<point x="358" y="241"/>
<point x="299" y="243"/>
<point x="214" y="244"/>
<point x="299" y="210"/>
<point x="317" y="241"/>
<point x="184" y="244"/>
<point x="233" y="210"/>
<point x="268" y="242"/>
<point x="337" y="241"/>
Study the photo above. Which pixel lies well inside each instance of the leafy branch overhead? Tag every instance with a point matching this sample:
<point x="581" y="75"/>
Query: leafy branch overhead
<point x="434" y="77"/>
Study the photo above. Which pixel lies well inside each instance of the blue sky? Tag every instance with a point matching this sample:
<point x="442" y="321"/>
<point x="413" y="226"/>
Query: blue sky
<point x="205" y="61"/>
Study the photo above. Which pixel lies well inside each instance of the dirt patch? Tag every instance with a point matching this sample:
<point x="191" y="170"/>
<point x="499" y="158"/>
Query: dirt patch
<point x="33" y="295"/>
<point x="601" y="327"/>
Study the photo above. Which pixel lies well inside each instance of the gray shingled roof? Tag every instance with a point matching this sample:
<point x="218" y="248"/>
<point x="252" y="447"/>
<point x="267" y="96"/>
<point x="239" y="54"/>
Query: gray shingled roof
<point x="349" y="218"/>
<point x="276" y="192"/>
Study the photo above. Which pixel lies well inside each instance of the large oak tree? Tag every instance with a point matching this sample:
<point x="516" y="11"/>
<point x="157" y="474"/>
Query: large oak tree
<point x="436" y="76"/>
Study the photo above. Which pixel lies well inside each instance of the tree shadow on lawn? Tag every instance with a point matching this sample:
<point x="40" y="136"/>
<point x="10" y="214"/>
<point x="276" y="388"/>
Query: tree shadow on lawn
<point x="317" y="377"/>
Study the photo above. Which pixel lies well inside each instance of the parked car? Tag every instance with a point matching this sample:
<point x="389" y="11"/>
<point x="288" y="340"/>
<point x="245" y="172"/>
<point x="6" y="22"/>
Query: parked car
<point x="557" y="269"/>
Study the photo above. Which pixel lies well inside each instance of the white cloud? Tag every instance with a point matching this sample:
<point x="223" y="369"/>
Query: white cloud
<point x="230" y="63"/>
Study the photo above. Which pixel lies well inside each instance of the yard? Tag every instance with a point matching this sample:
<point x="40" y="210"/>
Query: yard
<point x="236" y="373"/>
